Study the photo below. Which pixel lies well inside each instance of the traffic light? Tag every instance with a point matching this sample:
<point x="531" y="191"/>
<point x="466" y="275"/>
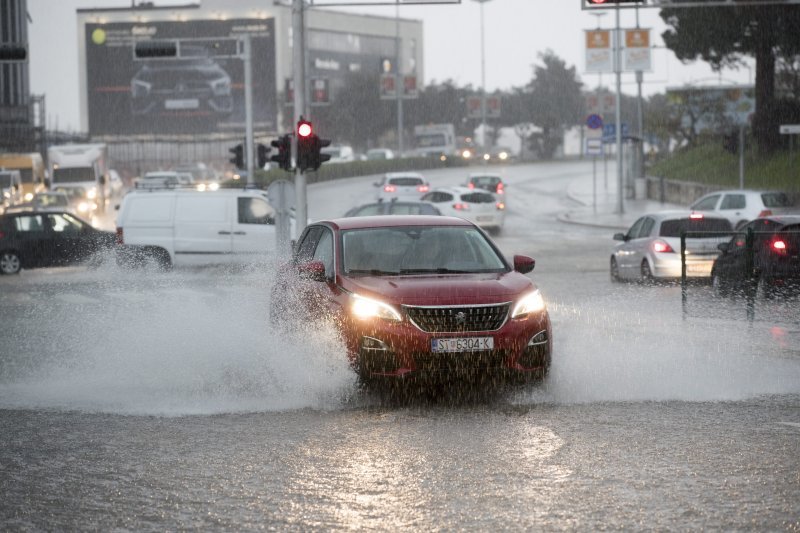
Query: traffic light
<point x="238" y="156"/>
<point x="309" y="147"/>
<point x="262" y="151"/>
<point x="284" y="152"/>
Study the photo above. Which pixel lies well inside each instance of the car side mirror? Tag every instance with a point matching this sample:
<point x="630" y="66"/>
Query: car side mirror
<point x="722" y="247"/>
<point x="619" y="237"/>
<point x="523" y="264"/>
<point x="313" y="270"/>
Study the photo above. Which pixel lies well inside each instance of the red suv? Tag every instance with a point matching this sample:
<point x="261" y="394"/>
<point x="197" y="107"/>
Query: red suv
<point x="418" y="296"/>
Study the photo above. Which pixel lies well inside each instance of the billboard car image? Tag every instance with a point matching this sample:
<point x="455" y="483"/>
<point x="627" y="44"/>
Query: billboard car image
<point x="200" y="90"/>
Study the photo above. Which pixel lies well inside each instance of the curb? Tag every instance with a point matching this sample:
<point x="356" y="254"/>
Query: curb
<point x="567" y="219"/>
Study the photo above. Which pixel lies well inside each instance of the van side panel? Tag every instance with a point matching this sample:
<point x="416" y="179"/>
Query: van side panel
<point x="203" y="225"/>
<point x="147" y="221"/>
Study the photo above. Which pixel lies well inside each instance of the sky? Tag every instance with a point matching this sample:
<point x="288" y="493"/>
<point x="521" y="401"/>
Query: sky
<point x="516" y="33"/>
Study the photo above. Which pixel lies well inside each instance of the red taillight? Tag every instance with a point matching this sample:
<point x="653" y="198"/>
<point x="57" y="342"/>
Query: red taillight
<point x="765" y="213"/>
<point x="461" y="207"/>
<point x="2" y="235"/>
<point x="779" y="246"/>
<point x="471" y="185"/>
<point x="390" y="188"/>
<point x="500" y="206"/>
<point x="662" y="247"/>
<point x="423" y="188"/>
<point x="500" y="188"/>
<point x="120" y="239"/>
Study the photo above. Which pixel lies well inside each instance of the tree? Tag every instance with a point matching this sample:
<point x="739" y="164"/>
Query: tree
<point x="555" y="100"/>
<point x="723" y="36"/>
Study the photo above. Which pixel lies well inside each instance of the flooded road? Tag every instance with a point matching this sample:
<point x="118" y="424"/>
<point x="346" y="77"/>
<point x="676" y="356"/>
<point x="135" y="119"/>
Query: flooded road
<point x="164" y="401"/>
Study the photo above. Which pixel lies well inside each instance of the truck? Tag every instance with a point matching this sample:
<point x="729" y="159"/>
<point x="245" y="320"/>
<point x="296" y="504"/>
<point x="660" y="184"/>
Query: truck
<point x="31" y="170"/>
<point x="81" y="169"/>
<point x="435" y="140"/>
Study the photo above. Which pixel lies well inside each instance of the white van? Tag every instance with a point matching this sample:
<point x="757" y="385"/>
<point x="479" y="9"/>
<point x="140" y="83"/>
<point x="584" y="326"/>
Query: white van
<point x="186" y="227"/>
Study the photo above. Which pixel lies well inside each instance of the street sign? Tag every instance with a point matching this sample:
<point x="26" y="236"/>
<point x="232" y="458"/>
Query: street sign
<point x="493" y="105"/>
<point x="610" y="132"/>
<point x="594" y="147"/>
<point x="790" y="129"/>
<point x="594" y="121"/>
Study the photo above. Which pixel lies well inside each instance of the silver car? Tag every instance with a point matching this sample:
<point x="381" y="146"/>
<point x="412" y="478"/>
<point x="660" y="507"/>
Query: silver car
<point x="651" y="248"/>
<point x="401" y="186"/>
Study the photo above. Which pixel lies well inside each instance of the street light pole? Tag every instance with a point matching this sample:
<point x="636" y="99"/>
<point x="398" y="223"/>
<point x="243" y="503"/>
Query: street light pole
<point x="483" y="78"/>
<point x="398" y="80"/>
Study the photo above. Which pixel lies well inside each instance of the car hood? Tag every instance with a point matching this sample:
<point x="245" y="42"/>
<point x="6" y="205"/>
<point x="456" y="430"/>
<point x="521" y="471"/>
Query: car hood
<point x="448" y="289"/>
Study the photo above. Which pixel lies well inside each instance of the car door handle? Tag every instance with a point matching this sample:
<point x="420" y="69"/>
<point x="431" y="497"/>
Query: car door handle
<point x="239" y="233"/>
<point x="224" y="232"/>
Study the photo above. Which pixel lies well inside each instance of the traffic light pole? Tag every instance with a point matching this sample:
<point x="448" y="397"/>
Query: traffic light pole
<point x="618" y="112"/>
<point x="298" y="59"/>
<point x="248" y="109"/>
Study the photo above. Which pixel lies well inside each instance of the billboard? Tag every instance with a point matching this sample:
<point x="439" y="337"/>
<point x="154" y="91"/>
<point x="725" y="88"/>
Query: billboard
<point x="199" y="92"/>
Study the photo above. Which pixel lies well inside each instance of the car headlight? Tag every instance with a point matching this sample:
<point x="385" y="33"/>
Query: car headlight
<point x="503" y="155"/>
<point x="28" y="197"/>
<point x="364" y="308"/>
<point x="83" y="207"/>
<point x="201" y="187"/>
<point x="213" y="186"/>
<point x="91" y="194"/>
<point x="530" y="303"/>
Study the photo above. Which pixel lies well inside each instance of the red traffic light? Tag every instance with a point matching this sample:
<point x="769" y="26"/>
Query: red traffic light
<point x="304" y="128"/>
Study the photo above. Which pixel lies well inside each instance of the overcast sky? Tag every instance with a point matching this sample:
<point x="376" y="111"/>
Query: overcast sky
<point x="517" y="31"/>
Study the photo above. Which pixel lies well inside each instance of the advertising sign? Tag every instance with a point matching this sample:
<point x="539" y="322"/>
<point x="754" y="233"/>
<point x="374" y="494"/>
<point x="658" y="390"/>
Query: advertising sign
<point x="599" y="57"/>
<point x="713" y="108"/>
<point x="201" y="91"/>
<point x="493" y="107"/>
<point x="637" y="50"/>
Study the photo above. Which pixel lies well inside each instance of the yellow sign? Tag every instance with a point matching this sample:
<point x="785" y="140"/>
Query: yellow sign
<point x="99" y="36"/>
<point x="598" y="39"/>
<point x="637" y="38"/>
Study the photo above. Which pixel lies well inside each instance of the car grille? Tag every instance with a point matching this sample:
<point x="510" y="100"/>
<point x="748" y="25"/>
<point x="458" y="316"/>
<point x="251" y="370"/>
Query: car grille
<point x="460" y="364"/>
<point x="458" y="319"/>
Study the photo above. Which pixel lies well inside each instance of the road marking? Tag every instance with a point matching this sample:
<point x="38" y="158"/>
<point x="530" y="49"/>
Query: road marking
<point x="73" y="298"/>
<point x="791" y="424"/>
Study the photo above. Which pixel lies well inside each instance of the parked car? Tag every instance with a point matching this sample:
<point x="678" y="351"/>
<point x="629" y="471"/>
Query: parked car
<point x="397" y="186"/>
<point x="35" y="239"/>
<point x="488" y="182"/>
<point x="775" y="259"/>
<point x="394" y="208"/>
<point x="417" y="296"/>
<point x="378" y="154"/>
<point x="339" y="153"/>
<point x="479" y="207"/>
<point x="186" y="227"/>
<point x="742" y="206"/>
<point x="10" y="188"/>
<point x="651" y="248"/>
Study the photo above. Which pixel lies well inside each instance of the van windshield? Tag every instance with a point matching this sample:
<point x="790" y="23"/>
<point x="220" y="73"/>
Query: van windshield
<point x="5" y="181"/>
<point x="73" y="175"/>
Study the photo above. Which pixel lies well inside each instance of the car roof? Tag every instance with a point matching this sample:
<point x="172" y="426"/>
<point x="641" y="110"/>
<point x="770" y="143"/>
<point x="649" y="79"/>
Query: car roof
<point x="389" y="221"/>
<point x="743" y="191"/>
<point x="404" y="175"/>
<point x="485" y="175"/>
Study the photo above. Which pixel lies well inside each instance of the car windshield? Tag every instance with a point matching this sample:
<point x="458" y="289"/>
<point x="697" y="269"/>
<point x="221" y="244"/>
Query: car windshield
<point x="419" y="250"/>
<point x="674" y="227"/>
<point x="776" y="199"/>
<point x="485" y="180"/>
<point x="406" y="181"/>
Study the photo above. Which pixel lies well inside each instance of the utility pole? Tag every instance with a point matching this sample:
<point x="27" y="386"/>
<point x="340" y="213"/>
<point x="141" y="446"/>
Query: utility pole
<point x="298" y="59"/>
<point x="398" y="79"/>
<point x="618" y="112"/>
<point x="248" y="109"/>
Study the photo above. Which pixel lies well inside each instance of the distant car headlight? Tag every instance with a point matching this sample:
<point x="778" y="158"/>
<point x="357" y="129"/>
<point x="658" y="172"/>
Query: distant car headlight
<point x="91" y="194"/>
<point x="83" y="207"/>
<point x="364" y="308"/>
<point x="213" y="186"/>
<point x="28" y="196"/>
<point x="201" y="187"/>
<point x="466" y="154"/>
<point x="486" y="157"/>
<point x="530" y="303"/>
<point x="503" y="155"/>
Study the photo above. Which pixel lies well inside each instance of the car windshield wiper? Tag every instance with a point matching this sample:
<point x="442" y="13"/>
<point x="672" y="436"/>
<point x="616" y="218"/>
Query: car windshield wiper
<point x="373" y="272"/>
<point x="433" y="271"/>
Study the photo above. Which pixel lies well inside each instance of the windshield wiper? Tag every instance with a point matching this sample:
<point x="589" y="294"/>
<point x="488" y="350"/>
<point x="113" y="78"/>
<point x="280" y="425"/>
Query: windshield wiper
<point x="373" y="272"/>
<point x="433" y="271"/>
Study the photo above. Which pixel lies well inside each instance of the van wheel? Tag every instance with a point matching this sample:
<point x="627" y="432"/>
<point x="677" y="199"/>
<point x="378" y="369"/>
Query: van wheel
<point x="10" y="263"/>
<point x="161" y="259"/>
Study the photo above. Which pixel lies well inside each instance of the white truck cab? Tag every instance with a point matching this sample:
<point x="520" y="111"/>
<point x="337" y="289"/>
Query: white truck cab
<point x="187" y="227"/>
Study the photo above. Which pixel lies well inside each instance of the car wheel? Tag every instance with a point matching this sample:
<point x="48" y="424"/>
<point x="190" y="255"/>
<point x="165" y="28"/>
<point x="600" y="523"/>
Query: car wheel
<point x="614" y="269"/>
<point x="718" y="286"/>
<point x="10" y="263"/>
<point x="647" y="274"/>
<point x="764" y="290"/>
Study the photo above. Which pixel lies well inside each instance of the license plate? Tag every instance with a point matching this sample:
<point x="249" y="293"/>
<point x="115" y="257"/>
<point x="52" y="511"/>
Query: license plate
<point x="485" y="219"/>
<point x="698" y="269"/>
<point x="184" y="103"/>
<point x="462" y="344"/>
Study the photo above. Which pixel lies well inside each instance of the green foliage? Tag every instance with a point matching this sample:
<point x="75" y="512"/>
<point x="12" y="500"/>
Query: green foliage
<point x="709" y="163"/>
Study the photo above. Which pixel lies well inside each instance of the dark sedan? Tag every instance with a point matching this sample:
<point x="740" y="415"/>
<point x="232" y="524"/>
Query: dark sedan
<point x="35" y="239"/>
<point x="775" y="258"/>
